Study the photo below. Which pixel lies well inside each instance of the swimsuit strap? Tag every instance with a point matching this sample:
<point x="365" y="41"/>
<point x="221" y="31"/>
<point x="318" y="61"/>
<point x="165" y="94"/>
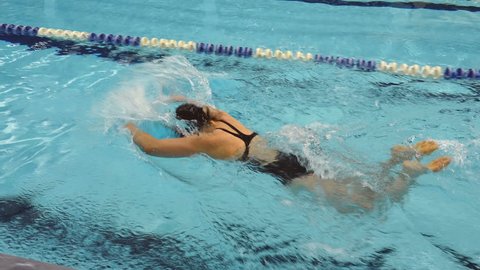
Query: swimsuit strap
<point x="242" y="136"/>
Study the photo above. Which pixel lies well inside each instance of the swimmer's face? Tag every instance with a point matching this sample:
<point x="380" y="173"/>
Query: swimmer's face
<point x="191" y="112"/>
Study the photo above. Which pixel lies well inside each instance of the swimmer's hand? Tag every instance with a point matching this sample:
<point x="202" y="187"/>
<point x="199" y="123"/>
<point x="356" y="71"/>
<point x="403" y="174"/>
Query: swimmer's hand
<point x="131" y="127"/>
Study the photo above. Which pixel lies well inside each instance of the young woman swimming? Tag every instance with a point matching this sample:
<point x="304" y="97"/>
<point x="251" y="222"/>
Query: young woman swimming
<point x="223" y="137"/>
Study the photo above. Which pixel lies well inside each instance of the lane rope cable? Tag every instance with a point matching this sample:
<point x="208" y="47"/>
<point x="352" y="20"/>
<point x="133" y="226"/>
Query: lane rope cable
<point x="426" y="71"/>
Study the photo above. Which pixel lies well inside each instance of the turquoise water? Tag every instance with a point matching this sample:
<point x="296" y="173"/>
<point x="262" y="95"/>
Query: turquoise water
<point x="85" y="197"/>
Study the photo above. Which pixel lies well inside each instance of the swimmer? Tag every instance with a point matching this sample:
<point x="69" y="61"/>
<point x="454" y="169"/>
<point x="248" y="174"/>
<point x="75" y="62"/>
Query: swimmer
<point x="223" y="137"/>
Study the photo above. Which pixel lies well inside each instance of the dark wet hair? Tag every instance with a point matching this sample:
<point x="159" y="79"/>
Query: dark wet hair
<point x="191" y="112"/>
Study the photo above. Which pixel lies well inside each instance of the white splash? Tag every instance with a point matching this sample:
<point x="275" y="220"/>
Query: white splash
<point x="176" y="75"/>
<point x="308" y="142"/>
<point x="455" y="149"/>
<point x="143" y="95"/>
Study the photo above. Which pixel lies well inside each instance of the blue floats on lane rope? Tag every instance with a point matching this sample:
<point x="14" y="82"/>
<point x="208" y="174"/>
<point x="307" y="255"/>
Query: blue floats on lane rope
<point x="222" y="50"/>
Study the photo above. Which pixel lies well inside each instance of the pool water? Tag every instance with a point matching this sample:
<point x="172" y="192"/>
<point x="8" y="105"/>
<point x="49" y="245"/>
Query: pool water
<point x="75" y="191"/>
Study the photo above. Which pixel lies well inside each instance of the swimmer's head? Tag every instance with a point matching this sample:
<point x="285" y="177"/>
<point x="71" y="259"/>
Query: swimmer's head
<point x="193" y="113"/>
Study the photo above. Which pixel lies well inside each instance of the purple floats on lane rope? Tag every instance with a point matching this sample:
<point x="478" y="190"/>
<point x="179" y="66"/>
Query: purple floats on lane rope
<point x="126" y="41"/>
<point x="366" y="65"/>
<point x="459" y="73"/>
<point x="3" y="27"/>
<point x="25" y="30"/>
<point x="110" y="38"/>
<point x="200" y="47"/>
<point x="471" y="74"/>
<point x="238" y="51"/>
<point x="10" y="28"/>
<point x="118" y="39"/>
<point x="93" y="37"/>
<point x="210" y="48"/>
<point x="220" y="49"/>
<point x="136" y="41"/>
<point x="101" y="37"/>
<point x="18" y="30"/>
<point x="229" y="50"/>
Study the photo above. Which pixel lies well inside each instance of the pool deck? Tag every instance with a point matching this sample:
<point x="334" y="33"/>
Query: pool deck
<point x="8" y="262"/>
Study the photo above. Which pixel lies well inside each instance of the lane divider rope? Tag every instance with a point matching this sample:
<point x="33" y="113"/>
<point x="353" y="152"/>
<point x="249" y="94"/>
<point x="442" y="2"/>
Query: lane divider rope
<point x="426" y="71"/>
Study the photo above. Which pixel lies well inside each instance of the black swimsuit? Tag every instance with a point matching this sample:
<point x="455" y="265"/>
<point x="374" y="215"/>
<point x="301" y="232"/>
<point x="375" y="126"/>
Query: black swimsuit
<point x="244" y="137"/>
<point x="285" y="168"/>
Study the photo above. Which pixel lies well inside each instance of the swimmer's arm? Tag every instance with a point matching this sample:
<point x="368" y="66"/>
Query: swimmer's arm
<point x="176" y="98"/>
<point x="177" y="147"/>
<point x="180" y="98"/>
<point x="219" y="115"/>
<point x="215" y="114"/>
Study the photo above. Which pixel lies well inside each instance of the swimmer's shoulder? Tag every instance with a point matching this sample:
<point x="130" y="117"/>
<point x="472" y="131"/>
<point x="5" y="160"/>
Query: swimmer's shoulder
<point x="218" y="115"/>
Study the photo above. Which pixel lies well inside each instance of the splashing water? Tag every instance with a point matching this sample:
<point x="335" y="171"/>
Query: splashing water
<point x="176" y="75"/>
<point x="309" y="142"/>
<point x="455" y="149"/>
<point x="144" y="94"/>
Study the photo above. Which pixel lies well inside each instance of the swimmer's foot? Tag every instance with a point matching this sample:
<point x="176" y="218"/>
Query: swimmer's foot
<point x="424" y="148"/>
<point x="414" y="168"/>
<point x="403" y="152"/>
<point x="439" y="163"/>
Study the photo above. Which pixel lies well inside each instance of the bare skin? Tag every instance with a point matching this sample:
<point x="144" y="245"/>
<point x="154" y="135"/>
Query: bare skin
<point x="221" y="145"/>
<point x="210" y="140"/>
<point x="339" y="191"/>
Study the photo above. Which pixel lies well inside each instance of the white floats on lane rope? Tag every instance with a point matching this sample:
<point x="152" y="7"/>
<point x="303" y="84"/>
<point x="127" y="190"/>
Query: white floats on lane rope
<point x="426" y="71"/>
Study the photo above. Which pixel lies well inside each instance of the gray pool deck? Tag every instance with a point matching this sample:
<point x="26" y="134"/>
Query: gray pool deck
<point x="8" y="262"/>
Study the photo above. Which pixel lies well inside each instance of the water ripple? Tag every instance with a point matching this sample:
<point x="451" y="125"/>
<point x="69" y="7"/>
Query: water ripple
<point x="14" y="56"/>
<point x="21" y="152"/>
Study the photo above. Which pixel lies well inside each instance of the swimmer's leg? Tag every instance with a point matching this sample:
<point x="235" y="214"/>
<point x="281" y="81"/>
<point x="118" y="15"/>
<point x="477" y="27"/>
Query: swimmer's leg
<point x="340" y="193"/>
<point x="411" y="170"/>
<point x="355" y="191"/>
<point x="309" y="182"/>
<point x="348" y="195"/>
<point x="400" y="153"/>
